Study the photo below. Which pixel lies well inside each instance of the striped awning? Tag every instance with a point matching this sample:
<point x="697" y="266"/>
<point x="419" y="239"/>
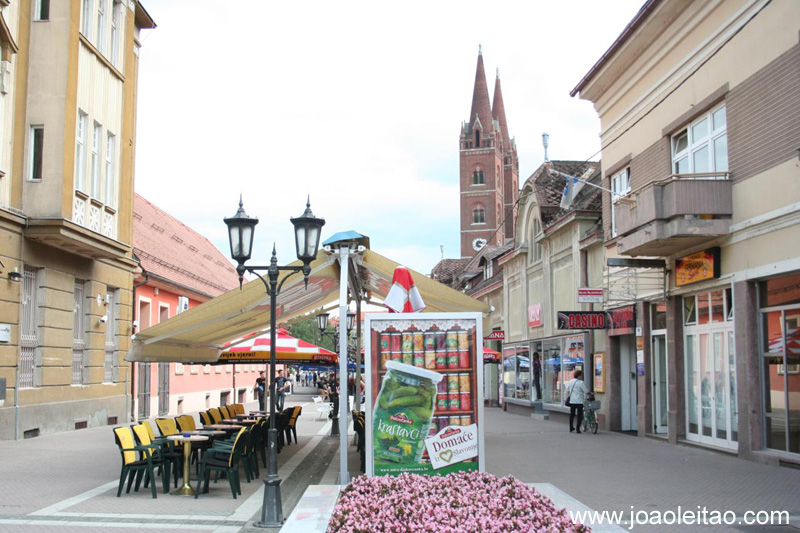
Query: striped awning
<point x="288" y="349"/>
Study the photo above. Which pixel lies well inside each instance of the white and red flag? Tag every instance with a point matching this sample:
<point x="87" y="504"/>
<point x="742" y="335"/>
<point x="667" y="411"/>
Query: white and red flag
<point x="403" y="297"/>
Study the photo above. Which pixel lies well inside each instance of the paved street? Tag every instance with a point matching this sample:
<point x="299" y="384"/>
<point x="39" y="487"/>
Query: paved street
<point x="70" y="479"/>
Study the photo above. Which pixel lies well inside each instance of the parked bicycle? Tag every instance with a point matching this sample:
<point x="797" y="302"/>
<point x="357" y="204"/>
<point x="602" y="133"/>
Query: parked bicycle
<point x="590" y="408"/>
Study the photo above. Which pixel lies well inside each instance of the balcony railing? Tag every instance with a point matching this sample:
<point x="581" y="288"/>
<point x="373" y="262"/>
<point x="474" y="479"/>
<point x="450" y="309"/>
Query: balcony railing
<point x="675" y="213"/>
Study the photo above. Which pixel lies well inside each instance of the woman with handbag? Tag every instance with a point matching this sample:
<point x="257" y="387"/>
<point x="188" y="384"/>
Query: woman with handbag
<point x="576" y="392"/>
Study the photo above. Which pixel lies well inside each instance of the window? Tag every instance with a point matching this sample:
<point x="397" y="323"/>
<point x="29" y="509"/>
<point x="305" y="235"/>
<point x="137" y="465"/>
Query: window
<point x="111" y="150"/>
<point x="80" y="151"/>
<point x="479" y="216"/>
<point x="41" y="10"/>
<point x="101" y="26"/>
<point x="620" y="186"/>
<point x="78" y="341"/>
<point x="116" y="14"/>
<point x="702" y="147"/>
<point x="537" y="248"/>
<point x="29" y="331"/>
<point x="37" y="150"/>
<point x="488" y="270"/>
<point x="86" y="18"/>
<point x="96" y="135"/>
<point x="111" y="338"/>
<point x="478" y="177"/>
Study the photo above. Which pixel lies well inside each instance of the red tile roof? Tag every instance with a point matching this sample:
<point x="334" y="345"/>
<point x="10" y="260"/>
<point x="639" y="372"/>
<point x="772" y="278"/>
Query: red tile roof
<point x="174" y="252"/>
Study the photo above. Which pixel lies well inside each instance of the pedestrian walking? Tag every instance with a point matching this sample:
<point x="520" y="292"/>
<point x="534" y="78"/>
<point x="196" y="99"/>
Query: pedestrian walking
<point x="259" y="390"/>
<point x="279" y="389"/>
<point x="576" y="393"/>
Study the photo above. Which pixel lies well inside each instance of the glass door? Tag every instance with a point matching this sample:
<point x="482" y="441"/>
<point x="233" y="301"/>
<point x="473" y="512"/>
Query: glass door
<point x="659" y="366"/>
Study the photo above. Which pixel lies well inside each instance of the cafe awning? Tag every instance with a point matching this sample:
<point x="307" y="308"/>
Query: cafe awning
<point x="288" y="350"/>
<point x="199" y="334"/>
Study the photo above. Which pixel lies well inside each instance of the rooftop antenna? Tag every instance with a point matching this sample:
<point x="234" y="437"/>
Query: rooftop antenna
<point x="546" y="143"/>
<point x="480" y="49"/>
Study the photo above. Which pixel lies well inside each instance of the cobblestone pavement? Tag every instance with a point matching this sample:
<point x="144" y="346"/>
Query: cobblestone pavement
<point x="70" y="479"/>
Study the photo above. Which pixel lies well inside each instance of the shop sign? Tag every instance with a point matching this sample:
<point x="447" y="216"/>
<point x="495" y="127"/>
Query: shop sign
<point x="452" y="445"/>
<point x="640" y="362"/>
<point x="497" y="335"/>
<point x="424" y="389"/>
<point x="582" y="320"/>
<point x="622" y="321"/>
<point x="697" y="267"/>
<point x="535" y="315"/>
<point x="590" y="296"/>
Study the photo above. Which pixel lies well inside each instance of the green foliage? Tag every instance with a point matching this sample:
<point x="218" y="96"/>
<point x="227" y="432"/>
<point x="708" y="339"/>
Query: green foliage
<point x="308" y="331"/>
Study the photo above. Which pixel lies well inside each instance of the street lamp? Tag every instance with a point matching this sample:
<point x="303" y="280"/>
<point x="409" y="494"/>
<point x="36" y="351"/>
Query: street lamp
<point x="307" y="232"/>
<point x="322" y="324"/>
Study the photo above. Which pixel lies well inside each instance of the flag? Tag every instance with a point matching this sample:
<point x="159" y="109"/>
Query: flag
<point x="403" y="297"/>
<point x="572" y="188"/>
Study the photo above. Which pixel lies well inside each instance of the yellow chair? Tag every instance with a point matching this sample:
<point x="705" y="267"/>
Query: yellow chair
<point x="138" y="459"/>
<point x="225" y="413"/>
<point x="167" y="426"/>
<point x="205" y="418"/>
<point x="186" y="423"/>
<point x="216" y="416"/>
<point x="238" y="408"/>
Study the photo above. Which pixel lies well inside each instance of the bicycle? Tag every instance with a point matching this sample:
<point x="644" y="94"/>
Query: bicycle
<point x="590" y="408"/>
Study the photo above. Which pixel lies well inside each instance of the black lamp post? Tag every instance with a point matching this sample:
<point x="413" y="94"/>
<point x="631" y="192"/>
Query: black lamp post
<point x="322" y="324"/>
<point x="307" y="232"/>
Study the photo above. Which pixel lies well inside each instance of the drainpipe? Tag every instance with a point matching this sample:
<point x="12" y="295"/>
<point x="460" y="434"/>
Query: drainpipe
<point x="133" y="319"/>
<point x="588" y="357"/>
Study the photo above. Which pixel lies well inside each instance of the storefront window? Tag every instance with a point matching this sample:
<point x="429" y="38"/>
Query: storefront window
<point x="780" y="345"/>
<point x="509" y="372"/>
<point x="734" y="398"/>
<point x="552" y="370"/>
<point x="717" y="307"/>
<point x="536" y="371"/>
<point x="523" y="383"/>
<point x="692" y="367"/>
<point x="659" y="315"/>
<point x="702" y="309"/>
<point x="689" y="311"/>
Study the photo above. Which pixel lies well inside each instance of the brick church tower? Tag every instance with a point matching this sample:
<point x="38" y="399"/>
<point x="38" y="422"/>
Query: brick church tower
<point x="489" y="170"/>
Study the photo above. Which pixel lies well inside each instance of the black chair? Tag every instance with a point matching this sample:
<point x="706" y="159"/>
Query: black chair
<point x="223" y="460"/>
<point x="281" y="424"/>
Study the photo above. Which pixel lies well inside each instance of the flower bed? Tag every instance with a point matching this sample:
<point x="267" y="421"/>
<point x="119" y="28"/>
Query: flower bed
<point x="458" y="502"/>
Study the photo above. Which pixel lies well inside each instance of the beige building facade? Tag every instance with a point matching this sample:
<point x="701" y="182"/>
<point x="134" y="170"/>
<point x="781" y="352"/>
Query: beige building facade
<point x="69" y="76"/>
<point x="699" y="108"/>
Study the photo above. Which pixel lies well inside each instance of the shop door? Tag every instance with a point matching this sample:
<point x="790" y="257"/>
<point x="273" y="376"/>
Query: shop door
<point x="659" y="370"/>
<point x="709" y="381"/>
<point x="628" y="388"/>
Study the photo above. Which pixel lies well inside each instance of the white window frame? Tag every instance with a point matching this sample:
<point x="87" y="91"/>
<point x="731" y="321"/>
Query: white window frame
<point x="86" y="19"/>
<point x="80" y="151"/>
<point x="100" y="39"/>
<point x="694" y="143"/>
<point x="620" y="187"/>
<point x="33" y="153"/>
<point x="111" y="177"/>
<point x="95" y="186"/>
<point x="37" y="10"/>
<point x="116" y="28"/>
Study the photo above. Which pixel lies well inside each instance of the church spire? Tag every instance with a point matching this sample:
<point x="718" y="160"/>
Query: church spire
<point x="499" y="112"/>
<point x="481" y="108"/>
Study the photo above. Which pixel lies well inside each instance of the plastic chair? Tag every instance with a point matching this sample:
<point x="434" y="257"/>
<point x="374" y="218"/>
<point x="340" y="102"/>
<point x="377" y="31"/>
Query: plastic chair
<point x="167" y="426"/>
<point x="168" y="450"/>
<point x="223" y="460"/>
<point x="281" y="425"/>
<point x="323" y="408"/>
<point x="205" y="418"/>
<point x="138" y="459"/>
<point x="223" y="410"/>
<point x="291" y="428"/>
<point x="238" y="408"/>
<point x="216" y="416"/>
<point x="186" y="423"/>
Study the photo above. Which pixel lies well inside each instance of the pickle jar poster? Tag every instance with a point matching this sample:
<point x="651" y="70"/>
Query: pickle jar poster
<point x="424" y="385"/>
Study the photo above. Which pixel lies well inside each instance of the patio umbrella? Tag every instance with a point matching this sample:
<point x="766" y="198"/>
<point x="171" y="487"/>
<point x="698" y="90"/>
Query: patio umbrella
<point x="490" y="356"/>
<point x="403" y="296"/>
<point x="289" y="350"/>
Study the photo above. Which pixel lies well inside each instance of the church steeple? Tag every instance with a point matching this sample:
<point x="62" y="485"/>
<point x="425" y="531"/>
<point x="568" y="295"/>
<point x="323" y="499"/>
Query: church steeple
<point x="499" y="112"/>
<point x="481" y="108"/>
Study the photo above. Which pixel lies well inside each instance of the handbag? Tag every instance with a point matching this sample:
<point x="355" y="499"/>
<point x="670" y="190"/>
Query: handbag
<point x="569" y="393"/>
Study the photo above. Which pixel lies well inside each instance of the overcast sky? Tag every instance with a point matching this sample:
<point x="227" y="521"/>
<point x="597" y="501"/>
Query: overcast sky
<point x="358" y="104"/>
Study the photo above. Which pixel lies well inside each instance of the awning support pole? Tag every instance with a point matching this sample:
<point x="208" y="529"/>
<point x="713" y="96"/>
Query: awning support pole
<point x="344" y="263"/>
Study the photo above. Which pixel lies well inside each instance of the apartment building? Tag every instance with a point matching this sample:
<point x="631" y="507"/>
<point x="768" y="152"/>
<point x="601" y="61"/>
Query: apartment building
<point x="68" y="81"/>
<point x="699" y="103"/>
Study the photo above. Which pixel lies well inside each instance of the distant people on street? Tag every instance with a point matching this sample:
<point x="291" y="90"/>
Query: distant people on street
<point x="537" y="375"/>
<point x="332" y="387"/>
<point x="576" y="390"/>
<point x="279" y="388"/>
<point x="259" y="390"/>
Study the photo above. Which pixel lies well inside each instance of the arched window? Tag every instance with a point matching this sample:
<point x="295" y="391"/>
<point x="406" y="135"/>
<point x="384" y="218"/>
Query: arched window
<point x="479" y="216"/>
<point x="477" y="138"/>
<point x="537" y="248"/>
<point x="478" y="177"/>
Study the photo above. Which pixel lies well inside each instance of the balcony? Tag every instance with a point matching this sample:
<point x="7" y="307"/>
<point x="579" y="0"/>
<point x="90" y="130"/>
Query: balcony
<point x="668" y="216"/>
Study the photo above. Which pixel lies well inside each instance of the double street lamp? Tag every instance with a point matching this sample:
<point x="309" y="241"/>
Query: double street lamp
<point x="241" y="229"/>
<point x="322" y="325"/>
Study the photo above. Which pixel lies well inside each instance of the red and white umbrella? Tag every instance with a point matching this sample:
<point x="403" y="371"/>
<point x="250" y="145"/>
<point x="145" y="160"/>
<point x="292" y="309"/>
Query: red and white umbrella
<point x="792" y="344"/>
<point x="403" y="296"/>
<point x="288" y="349"/>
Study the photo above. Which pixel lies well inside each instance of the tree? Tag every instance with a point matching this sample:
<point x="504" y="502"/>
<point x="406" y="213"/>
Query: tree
<point x="308" y="331"/>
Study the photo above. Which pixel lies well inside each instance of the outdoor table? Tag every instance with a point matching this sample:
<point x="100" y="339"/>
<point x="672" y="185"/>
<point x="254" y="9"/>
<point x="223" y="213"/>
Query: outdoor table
<point x="246" y="421"/>
<point x="186" y="489"/>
